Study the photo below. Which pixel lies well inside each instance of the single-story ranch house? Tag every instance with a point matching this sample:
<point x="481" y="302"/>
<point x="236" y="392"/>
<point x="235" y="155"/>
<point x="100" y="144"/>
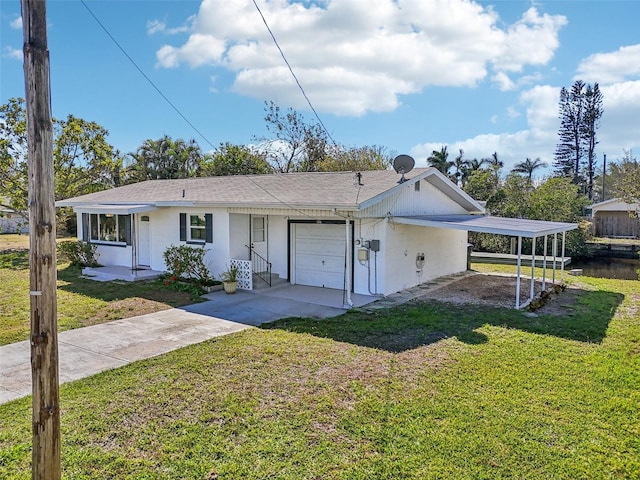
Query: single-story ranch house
<point x="372" y="233"/>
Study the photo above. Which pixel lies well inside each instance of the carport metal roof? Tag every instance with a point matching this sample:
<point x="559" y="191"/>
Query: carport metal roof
<point x="515" y="227"/>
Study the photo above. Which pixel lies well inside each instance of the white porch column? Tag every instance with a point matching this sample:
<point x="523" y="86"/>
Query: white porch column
<point x="518" y="263"/>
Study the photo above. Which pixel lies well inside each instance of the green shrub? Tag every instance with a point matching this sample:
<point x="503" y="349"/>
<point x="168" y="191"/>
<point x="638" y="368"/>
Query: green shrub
<point x="187" y="262"/>
<point x="79" y="253"/>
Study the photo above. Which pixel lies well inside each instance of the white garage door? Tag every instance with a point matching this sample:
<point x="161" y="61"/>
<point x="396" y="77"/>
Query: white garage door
<point x="318" y="257"/>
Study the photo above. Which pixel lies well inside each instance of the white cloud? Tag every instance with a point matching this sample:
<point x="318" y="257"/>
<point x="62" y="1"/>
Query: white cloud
<point x="618" y="130"/>
<point x="16" y="24"/>
<point x="530" y="41"/>
<point x="354" y="57"/>
<point x="619" y="123"/>
<point x="607" y="68"/>
<point x="199" y="50"/>
<point x="538" y="140"/>
<point x="512" y="112"/>
<point x="14" y="53"/>
<point x="505" y="83"/>
<point x="159" y="26"/>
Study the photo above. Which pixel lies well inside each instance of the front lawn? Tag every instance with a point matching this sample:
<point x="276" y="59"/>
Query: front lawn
<point x="81" y="302"/>
<point x="421" y="391"/>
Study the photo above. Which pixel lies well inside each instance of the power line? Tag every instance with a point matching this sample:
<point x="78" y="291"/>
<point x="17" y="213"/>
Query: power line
<point x="304" y="94"/>
<point x="145" y="75"/>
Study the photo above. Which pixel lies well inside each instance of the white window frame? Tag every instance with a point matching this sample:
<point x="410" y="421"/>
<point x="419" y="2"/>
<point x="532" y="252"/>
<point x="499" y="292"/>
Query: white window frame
<point x="202" y="228"/>
<point x="100" y="238"/>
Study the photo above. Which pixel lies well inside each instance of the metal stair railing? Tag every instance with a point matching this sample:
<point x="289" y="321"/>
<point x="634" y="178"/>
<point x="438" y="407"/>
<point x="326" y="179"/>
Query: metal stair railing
<point x="260" y="266"/>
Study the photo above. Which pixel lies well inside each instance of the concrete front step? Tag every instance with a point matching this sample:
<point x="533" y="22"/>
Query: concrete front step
<point x="276" y="281"/>
<point x="108" y="274"/>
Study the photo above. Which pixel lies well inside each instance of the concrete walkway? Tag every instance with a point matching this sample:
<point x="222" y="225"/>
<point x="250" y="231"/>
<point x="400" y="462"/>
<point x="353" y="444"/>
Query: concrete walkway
<point x="86" y="351"/>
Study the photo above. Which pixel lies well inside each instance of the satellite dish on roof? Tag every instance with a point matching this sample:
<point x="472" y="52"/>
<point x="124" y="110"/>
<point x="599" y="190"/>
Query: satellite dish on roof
<point x="403" y="164"/>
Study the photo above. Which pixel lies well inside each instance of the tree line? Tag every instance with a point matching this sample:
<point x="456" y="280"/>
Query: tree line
<point x="85" y="162"/>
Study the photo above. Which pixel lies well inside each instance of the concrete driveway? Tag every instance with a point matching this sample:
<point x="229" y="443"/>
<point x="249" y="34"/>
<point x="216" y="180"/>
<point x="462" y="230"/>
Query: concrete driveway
<point x="86" y="351"/>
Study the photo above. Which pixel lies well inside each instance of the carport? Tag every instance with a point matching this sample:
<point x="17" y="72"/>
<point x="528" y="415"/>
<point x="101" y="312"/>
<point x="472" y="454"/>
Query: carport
<point x="513" y="227"/>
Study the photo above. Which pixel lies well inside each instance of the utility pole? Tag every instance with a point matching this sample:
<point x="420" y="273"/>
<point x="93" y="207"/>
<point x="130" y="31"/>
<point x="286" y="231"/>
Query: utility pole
<point x="45" y="417"/>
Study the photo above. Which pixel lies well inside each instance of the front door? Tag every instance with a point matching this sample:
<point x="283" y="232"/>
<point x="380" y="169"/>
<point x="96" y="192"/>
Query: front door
<point x="144" y="242"/>
<point x="259" y="226"/>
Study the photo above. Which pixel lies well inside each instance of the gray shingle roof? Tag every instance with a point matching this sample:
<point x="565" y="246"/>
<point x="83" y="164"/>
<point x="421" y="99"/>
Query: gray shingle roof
<point x="304" y="189"/>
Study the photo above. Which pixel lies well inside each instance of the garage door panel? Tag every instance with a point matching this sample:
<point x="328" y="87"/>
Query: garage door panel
<point x="318" y="246"/>
<point x="319" y="255"/>
<point x="320" y="262"/>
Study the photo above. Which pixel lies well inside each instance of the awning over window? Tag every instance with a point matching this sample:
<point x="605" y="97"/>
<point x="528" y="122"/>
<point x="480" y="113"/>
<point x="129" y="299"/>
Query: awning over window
<point x="515" y="227"/>
<point x="115" y="209"/>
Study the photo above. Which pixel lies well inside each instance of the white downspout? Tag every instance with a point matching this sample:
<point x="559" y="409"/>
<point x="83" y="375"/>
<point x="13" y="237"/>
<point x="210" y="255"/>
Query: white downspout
<point x="348" y="279"/>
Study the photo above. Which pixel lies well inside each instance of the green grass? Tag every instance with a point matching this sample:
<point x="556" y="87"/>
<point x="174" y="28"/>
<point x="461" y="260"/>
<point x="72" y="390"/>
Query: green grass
<point x="81" y="302"/>
<point x="421" y="391"/>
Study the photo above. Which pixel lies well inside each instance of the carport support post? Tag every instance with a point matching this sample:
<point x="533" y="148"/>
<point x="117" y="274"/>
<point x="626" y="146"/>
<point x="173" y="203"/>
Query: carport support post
<point x="544" y="266"/>
<point x="533" y="267"/>
<point x="518" y="263"/>
<point x="554" y="248"/>
<point x="564" y="242"/>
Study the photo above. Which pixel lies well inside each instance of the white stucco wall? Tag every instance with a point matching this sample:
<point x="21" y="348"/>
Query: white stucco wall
<point x="278" y="243"/>
<point x="445" y="253"/>
<point x="164" y="231"/>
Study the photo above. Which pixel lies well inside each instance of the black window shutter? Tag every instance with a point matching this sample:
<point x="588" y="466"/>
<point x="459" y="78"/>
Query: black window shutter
<point x="183" y="227"/>
<point x="208" y="227"/>
<point x="85" y="227"/>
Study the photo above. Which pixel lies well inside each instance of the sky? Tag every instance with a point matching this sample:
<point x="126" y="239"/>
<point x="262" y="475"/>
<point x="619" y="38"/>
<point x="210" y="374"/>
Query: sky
<point x="408" y="75"/>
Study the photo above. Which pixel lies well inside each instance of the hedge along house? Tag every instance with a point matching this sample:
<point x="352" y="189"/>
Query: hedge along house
<point x="367" y="233"/>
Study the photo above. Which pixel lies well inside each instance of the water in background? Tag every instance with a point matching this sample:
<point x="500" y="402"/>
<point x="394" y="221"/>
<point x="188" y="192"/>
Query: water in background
<point x="619" y="268"/>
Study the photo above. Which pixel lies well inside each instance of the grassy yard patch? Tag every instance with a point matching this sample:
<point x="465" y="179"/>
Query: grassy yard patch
<point x="81" y="302"/>
<point x="10" y="241"/>
<point x="427" y="390"/>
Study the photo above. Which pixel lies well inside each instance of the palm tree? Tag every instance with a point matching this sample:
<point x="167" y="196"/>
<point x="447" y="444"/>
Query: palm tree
<point x="476" y="164"/>
<point x="166" y="158"/>
<point x="494" y="162"/>
<point x="529" y="166"/>
<point x="462" y="169"/>
<point x="440" y="160"/>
